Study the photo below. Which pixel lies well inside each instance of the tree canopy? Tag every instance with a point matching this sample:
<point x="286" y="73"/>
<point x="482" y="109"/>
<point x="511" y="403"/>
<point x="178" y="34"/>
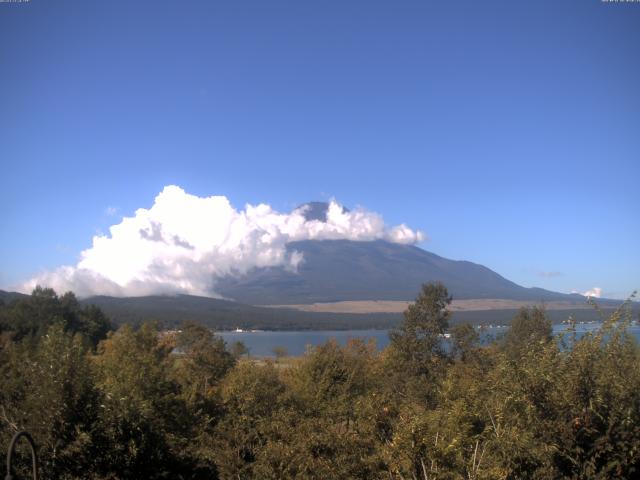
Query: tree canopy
<point x="152" y="404"/>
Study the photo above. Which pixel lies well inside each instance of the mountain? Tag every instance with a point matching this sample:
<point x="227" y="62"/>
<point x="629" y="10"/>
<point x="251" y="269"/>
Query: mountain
<point x="343" y="270"/>
<point x="339" y="270"/>
<point x="6" y="297"/>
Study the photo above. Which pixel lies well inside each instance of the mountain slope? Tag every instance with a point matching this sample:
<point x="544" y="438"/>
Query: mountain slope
<point x="337" y="270"/>
<point x="6" y="297"/>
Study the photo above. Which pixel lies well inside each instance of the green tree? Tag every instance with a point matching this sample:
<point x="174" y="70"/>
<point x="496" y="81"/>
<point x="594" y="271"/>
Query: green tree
<point x="33" y="316"/>
<point x="204" y="360"/>
<point x="145" y="421"/>
<point x="253" y="403"/>
<point x="464" y="341"/>
<point x="280" y="352"/>
<point x="530" y="329"/>
<point x="330" y="379"/>
<point x="239" y="349"/>
<point x="48" y="390"/>
<point x="416" y="355"/>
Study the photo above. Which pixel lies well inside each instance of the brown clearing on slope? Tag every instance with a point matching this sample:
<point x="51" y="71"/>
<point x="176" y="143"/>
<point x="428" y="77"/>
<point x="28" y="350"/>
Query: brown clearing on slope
<point x="398" y="306"/>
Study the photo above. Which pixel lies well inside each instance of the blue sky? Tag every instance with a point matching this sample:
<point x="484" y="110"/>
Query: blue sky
<point x="509" y="132"/>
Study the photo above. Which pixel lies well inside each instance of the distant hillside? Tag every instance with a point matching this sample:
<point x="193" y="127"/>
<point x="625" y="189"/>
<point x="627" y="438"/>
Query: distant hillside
<point x="170" y="311"/>
<point x="6" y="297"/>
<point x="338" y="270"/>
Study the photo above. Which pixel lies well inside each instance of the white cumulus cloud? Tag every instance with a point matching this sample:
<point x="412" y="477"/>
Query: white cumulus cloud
<point x="595" y="292"/>
<point x="183" y="243"/>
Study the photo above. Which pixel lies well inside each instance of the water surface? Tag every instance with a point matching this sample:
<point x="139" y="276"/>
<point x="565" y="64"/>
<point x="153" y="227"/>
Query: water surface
<point x="262" y="343"/>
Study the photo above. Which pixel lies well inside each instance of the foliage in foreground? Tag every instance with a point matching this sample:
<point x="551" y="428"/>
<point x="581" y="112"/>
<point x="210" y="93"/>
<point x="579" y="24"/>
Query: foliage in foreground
<point x="143" y="404"/>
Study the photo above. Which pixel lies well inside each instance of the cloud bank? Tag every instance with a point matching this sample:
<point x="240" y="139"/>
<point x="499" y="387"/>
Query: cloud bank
<point x="595" y="292"/>
<point x="183" y="243"/>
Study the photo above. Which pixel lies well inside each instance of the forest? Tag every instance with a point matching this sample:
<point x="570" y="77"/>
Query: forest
<point x="145" y="403"/>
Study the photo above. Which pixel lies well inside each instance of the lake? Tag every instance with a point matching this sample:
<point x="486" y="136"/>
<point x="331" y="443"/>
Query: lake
<point x="262" y="343"/>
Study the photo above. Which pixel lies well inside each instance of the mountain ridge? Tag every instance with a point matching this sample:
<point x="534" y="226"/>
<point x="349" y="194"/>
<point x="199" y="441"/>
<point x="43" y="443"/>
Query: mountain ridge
<point x="342" y="270"/>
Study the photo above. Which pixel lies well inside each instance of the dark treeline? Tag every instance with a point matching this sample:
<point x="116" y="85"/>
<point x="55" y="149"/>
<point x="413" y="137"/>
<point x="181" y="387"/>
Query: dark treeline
<point x="124" y="405"/>
<point x="218" y="314"/>
<point x="171" y="311"/>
